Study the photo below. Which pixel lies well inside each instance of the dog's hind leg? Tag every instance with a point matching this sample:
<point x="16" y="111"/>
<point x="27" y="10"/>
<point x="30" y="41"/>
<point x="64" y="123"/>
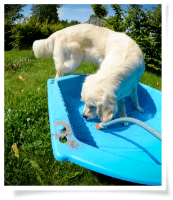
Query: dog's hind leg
<point x="134" y="96"/>
<point x="68" y="59"/>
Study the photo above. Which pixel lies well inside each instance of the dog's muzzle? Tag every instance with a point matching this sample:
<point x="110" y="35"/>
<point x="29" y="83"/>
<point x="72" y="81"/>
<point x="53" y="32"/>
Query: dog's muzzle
<point x="84" y="116"/>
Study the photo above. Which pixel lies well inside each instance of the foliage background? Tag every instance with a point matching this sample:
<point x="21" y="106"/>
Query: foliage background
<point x="144" y="26"/>
<point x="20" y="32"/>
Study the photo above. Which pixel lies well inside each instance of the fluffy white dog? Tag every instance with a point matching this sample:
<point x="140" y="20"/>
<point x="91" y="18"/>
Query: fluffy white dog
<point x="119" y="57"/>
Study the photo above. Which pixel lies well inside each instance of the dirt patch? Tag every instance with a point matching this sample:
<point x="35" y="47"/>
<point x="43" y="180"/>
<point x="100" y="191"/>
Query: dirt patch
<point x="57" y="136"/>
<point x="64" y="133"/>
<point x="67" y="131"/>
<point x="72" y="143"/>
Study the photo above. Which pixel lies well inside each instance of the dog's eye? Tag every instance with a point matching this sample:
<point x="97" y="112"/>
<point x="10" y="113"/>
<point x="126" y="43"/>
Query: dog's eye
<point x="91" y="107"/>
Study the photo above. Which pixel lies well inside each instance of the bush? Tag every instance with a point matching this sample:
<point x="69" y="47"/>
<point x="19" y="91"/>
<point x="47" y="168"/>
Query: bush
<point x="142" y="26"/>
<point x="145" y="29"/>
<point x="7" y="39"/>
<point x="26" y="32"/>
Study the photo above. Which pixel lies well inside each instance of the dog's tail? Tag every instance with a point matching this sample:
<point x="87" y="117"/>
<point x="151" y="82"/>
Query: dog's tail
<point x="43" y="48"/>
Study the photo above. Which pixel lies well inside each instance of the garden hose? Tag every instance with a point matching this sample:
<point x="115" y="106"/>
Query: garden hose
<point x="132" y="120"/>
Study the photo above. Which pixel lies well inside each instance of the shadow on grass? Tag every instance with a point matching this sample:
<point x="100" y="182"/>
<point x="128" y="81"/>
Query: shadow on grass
<point x="109" y="181"/>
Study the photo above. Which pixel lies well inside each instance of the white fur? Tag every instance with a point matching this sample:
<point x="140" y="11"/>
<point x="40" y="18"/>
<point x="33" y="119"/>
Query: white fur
<point x="119" y="57"/>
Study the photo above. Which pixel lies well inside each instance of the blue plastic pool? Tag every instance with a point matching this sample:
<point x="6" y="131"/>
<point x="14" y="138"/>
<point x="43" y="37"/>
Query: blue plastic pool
<point x="127" y="153"/>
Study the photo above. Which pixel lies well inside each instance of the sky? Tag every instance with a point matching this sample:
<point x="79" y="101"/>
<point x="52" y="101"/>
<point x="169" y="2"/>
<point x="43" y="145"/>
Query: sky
<point x="80" y="12"/>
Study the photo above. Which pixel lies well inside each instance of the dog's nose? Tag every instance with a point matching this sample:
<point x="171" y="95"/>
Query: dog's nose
<point x="84" y="116"/>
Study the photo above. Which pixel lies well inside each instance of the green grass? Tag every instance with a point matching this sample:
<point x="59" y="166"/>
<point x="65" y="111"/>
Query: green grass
<point x="26" y="124"/>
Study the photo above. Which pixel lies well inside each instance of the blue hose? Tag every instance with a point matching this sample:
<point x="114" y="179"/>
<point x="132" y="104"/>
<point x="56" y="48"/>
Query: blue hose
<point x="127" y="119"/>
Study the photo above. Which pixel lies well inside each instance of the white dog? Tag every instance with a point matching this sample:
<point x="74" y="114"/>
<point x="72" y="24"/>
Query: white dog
<point x="119" y="57"/>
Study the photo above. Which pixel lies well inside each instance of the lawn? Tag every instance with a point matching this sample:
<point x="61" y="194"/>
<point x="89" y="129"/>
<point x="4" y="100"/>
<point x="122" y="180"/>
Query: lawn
<point x="28" y="152"/>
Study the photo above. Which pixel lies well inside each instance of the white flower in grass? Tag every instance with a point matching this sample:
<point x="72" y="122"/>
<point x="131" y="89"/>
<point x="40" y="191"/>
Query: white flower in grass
<point x="28" y="119"/>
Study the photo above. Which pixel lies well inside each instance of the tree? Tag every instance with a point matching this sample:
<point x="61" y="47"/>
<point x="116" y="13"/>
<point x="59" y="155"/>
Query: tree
<point x="46" y="11"/>
<point x="74" y="22"/>
<point x="155" y="24"/>
<point x="145" y="29"/>
<point x="136" y="20"/>
<point x="141" y="25"/>
<point x="116" y="22"/>
<point x="12" y="11"/>
<point x="11" y="14"/>
<point x="155" y="35"/>
<point x="100" y="11"/>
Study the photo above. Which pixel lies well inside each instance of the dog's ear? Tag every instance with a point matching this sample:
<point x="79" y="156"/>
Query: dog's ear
<point x="106" y="108"/>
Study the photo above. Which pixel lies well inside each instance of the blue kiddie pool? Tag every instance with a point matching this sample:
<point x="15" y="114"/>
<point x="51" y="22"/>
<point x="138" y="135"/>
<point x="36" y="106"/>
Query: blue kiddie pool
<point x="127" y="153"/>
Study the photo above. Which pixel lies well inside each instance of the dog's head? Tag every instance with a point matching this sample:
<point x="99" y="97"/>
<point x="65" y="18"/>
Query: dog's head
<point x="98" y="101"/>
